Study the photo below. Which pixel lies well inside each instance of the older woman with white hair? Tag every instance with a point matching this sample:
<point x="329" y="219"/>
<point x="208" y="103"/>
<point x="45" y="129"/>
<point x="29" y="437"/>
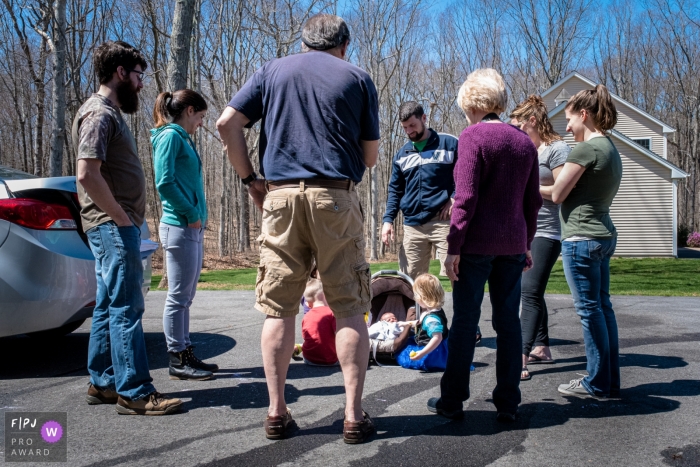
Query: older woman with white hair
<point x="494" y="219"/>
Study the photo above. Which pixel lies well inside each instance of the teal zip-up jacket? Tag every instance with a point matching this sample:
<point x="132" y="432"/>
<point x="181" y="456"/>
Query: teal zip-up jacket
<point x="178" y="171"/>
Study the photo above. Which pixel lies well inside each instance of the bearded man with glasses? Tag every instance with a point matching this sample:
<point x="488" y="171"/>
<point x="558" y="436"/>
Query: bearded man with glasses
<point x="112" y="193"/>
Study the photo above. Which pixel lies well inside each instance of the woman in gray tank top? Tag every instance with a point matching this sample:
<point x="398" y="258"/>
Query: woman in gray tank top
<point x="531" y="117"/>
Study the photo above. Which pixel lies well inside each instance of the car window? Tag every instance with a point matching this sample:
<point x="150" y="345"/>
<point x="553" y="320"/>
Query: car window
<point x="7" y="173"/>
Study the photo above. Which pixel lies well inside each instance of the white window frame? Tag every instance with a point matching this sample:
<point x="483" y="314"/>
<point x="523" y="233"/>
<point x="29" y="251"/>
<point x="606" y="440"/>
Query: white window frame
<point x="637" y="140"/>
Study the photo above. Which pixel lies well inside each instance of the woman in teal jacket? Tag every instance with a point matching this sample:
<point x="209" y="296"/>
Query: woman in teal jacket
<point x="178" y="177"/>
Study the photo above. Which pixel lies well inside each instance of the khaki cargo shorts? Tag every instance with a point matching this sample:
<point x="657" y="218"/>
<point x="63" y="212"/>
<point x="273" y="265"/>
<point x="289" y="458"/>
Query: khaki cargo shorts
<point x="320" y="223"/>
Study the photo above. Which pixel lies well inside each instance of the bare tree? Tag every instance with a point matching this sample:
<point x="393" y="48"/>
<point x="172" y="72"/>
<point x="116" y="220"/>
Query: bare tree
<point x="58" y="45"/>
<point x="39" y="19"/>
<point x="554" y="35"/>
<point x="386" y="33"/>
<point x="648" y="53"/>
<point x="680" y="41"/>
<point x="180" y="38"/>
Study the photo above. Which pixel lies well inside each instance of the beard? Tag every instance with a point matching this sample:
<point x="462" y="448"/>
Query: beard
<point x="128" y="97"/>
<point x="418" y="135"/>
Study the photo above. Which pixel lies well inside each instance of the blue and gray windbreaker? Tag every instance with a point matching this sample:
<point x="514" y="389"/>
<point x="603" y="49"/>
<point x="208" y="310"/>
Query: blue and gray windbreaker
<point x="422" y="182"/>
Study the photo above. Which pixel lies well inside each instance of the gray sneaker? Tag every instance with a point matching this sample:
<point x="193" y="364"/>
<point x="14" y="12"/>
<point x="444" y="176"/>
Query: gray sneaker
<point x="575" y="388"/>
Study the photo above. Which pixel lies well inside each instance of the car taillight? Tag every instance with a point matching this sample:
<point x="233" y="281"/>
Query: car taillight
<point x="36" y="214"/>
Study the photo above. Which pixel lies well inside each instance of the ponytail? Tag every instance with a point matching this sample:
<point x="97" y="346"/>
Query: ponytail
<point x="606" y="117"/>
<point x="599" y="105"/>
<point x="160" y="110"/>
<point x="170" y="105"/>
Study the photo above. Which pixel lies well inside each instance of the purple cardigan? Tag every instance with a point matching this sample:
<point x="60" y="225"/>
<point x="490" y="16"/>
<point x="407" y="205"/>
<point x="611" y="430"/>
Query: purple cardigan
<point x="497" y="192"/>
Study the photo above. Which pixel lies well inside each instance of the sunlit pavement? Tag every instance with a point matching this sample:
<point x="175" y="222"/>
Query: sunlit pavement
<point x="655" y="422"/>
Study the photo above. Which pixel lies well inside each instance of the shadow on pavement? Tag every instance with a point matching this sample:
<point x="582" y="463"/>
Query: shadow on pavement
<point x="297" y="370"/>
<point x="469" y="433"/>
<point x="67" y="355"/>
<point x="249" y="395"/>
<point x="207" y="346"/>
<point x="688" y="455"/>
<point x="469" y="446"/>
<point x="657" y="362"/>
<point x="659" y="339"/>
<point x="490" y="342"/>
<point x="688" y="253"/>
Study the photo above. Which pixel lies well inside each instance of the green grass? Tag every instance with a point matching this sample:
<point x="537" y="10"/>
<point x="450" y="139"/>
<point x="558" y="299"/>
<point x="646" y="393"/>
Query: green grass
<point x="628" y="276"/>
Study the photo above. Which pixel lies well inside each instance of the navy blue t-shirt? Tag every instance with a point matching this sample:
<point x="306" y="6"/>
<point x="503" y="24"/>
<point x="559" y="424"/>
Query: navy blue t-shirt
<point x="315" y="108"/>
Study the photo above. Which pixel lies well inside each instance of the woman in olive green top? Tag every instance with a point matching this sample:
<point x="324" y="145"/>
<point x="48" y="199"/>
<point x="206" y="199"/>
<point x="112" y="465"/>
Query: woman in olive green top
<point x="585" y="189"/>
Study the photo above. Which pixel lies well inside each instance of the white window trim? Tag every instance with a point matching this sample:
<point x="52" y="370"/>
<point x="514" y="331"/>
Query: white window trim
<point x="640" y="139"/>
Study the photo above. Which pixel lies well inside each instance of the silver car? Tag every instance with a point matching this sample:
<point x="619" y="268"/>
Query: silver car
<point x="47" y="271"/>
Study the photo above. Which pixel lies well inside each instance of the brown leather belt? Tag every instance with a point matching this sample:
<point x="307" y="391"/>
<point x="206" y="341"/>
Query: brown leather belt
<point x="302" y="184"/>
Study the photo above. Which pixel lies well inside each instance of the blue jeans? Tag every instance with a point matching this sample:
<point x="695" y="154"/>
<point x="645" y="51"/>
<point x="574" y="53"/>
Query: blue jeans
<point x="117" y="356"/>
<point x="184" y="249"/>
<point x="503" y="274"/>
<point x="587" y="270"/>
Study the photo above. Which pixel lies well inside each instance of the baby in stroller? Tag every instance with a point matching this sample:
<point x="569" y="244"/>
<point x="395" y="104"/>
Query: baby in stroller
<point x="393" y="339"/>
<point x="395" y="325"/>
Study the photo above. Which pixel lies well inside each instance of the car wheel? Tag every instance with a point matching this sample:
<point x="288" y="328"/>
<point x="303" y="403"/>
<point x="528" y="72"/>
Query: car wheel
<point x="56" y="332"/>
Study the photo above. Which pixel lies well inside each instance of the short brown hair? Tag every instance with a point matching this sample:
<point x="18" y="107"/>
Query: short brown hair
<point x="534" y="106"/>
<point x="410" y="109"/>
<point x="599" y="105"/>
<point x="111" y="55"/>
<point x="428" y="288"/>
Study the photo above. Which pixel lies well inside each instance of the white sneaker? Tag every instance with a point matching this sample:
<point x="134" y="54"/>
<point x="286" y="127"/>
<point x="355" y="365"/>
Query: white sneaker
<point x="575" y="388"/>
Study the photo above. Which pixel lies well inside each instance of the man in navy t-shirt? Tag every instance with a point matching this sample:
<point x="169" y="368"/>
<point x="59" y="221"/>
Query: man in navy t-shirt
<point x="319" y="131"/>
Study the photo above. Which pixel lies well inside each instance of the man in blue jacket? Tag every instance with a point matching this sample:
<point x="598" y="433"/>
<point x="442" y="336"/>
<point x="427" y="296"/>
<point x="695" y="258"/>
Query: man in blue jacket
<point x="422" y="186"/>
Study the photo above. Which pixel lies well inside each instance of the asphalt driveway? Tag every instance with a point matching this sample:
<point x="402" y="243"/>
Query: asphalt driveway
<point x="656" y="421"/>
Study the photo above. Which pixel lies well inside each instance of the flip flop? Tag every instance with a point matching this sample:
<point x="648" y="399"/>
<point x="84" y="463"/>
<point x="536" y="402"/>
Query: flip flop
<point x="528" y="377"/>
<point x="534" y="360"/>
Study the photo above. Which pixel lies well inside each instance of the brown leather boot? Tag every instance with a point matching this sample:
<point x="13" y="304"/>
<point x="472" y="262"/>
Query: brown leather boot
<point x="276" y="427"/>
<point x="358" y="432"/>
<point x="97" y="395"/>
<point x="153" y="404"/>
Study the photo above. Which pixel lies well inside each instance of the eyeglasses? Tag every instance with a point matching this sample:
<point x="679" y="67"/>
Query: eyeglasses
<point x="141" y="74"/>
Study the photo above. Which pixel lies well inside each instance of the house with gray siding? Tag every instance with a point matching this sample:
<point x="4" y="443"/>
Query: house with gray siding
<point x="645" y="210"/>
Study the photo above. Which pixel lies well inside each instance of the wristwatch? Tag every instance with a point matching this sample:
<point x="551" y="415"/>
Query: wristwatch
<point x="246" y="181"/>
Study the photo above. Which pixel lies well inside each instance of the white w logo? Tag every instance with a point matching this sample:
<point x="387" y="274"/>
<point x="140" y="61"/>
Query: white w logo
<point x="51" y="432"/>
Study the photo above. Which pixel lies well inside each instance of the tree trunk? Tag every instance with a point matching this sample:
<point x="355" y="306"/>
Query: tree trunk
<point x="59" y="90"/>
<point x="40" y="113"/>
<point x="373" y="214"/>
<point x="243" y="243"/>
<point x="180" y="38"/>
<point x="224" y="197"/>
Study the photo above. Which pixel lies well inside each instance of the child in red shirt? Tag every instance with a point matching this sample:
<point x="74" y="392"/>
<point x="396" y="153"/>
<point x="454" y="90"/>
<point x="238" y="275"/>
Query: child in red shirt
<point x="318" y="328"/>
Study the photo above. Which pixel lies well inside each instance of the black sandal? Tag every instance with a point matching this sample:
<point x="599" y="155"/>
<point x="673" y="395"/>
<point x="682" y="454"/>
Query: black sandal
<point x="526" y="378"/>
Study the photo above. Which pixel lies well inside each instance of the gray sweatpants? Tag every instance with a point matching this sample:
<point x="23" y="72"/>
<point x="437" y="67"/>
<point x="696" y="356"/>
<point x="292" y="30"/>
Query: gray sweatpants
<point x="184" y="251"/>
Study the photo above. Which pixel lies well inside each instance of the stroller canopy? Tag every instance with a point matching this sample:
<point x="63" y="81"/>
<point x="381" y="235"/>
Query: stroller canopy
<point x="392" y="292"/>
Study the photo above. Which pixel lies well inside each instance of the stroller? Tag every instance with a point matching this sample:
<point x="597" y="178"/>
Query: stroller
<point x="392" y="292"/>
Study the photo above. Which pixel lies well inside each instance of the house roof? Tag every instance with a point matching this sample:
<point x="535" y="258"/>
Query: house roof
<point x="676" y="172"/>
<point x="666" y="128"/>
